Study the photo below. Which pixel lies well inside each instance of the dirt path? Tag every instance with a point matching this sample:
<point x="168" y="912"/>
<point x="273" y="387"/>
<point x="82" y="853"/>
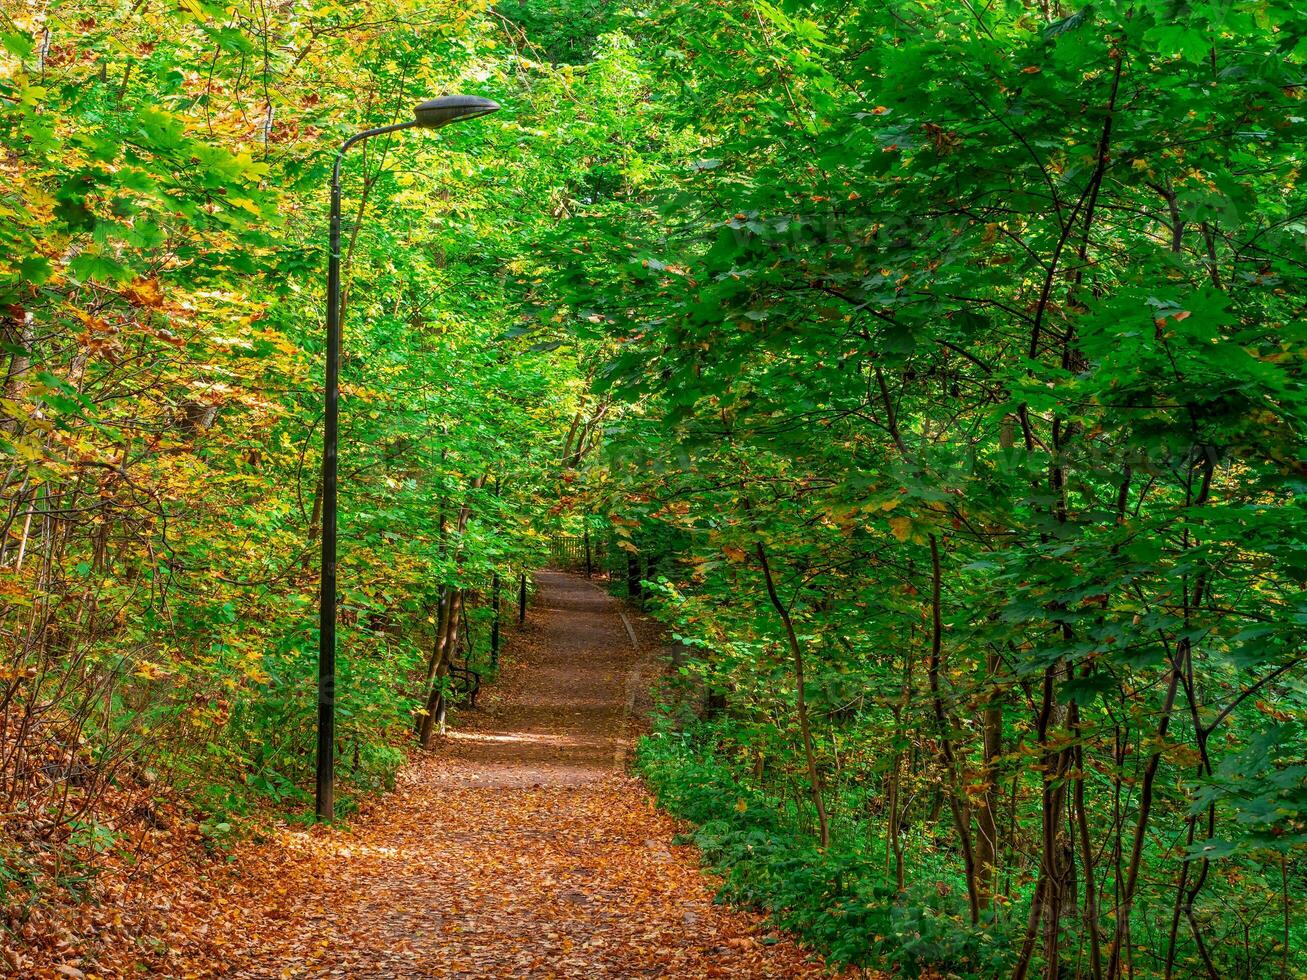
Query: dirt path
<point x="518" y="849"/>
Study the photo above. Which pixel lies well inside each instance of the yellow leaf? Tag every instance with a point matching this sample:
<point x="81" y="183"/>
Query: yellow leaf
<point x="145" y="292"/>
<point x="901" y="527"/>
<point x="149" y="671"/>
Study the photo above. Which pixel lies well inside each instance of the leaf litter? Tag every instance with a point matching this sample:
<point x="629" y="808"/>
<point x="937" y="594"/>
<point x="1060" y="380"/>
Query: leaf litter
<point x="518" y="848"/>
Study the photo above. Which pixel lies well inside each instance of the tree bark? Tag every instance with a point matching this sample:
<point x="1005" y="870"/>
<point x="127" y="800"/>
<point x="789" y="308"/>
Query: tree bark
<point x="805" y="729"/>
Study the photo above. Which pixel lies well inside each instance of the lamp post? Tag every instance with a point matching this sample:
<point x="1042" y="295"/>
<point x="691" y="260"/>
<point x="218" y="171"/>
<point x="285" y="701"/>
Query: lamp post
<point x="431" y="114"/>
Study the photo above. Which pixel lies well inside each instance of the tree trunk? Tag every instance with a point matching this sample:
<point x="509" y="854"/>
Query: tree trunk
<point x="987" y="837"/>
<point x="948" y="762"/>
<point x="805" y="730"/>
<point x="633" y="588"/>
<point x="436" y="703"/>
<point x="494" y="621"/>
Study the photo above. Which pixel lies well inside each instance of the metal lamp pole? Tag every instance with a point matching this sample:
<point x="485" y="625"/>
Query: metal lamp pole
<point x="431" y="114"/>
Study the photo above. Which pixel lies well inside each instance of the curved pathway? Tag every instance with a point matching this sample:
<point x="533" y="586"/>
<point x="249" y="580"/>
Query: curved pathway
<point x="519" y="848"/>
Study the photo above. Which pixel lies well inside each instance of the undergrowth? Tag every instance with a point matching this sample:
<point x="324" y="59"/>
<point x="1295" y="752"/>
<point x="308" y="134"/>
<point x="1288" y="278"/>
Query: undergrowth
<point x="841" y="901"/>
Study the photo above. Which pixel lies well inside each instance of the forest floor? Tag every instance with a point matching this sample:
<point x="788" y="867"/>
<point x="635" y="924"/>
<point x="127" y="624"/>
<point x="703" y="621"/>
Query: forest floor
<point x="518" y="848"/>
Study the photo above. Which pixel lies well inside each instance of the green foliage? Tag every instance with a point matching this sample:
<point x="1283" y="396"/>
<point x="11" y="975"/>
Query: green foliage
<point x="958" y="368"/>
<point x="162" y="224"/>
<point x="565" y="31"/>
<point x="938" y="366"/>
<point x="840" y="900"/>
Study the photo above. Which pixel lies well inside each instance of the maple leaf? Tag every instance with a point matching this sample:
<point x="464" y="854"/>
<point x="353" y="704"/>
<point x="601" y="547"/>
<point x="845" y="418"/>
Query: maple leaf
<point x="144" y="292"/>
<point x="901" y="527"/>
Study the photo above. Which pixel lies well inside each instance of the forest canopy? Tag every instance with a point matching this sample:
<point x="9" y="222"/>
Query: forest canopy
<point x="933" y="371"/>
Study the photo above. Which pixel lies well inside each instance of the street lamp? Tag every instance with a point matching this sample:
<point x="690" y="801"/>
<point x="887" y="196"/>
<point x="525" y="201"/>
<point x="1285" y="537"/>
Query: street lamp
<point x="431" y="114"/>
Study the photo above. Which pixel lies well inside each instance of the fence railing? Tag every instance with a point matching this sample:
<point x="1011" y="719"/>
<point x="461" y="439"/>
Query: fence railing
<point x="578" y="552"/>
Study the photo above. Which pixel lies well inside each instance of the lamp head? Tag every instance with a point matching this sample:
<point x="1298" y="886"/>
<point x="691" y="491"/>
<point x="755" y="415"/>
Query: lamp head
<point x="435" y="113"/>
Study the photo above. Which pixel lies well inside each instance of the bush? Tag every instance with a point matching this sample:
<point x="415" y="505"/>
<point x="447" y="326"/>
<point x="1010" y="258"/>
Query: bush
<point x="839" y="901"/>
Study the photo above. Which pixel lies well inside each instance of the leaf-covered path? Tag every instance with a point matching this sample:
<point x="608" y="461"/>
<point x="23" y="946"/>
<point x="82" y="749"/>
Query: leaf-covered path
<point x="518" y="849"/>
